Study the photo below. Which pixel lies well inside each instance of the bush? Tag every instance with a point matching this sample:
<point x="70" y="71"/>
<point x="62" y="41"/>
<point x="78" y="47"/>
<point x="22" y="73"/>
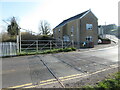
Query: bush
<point x="73" y="49"/>
<point x="60" y="50"/>
<point x="45" y="37"/>
<point x="7" y="38"/>
<point x="67" y="49"/>
<point x="28" y="36"/>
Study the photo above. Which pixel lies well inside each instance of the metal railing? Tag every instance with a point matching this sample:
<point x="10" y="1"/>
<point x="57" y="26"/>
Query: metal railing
<point x="111" y="37"/>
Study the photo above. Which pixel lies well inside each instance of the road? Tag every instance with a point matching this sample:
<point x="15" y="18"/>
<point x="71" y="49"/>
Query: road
<point x="29" y="71"/>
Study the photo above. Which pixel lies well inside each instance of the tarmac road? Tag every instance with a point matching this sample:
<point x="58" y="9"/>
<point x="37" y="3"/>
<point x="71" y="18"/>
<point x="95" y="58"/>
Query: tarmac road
<point x="28" y="71"/>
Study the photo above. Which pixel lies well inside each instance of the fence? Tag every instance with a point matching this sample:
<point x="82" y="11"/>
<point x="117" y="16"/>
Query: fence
<point x="8" y="49"/>
<point x="40" y="45"/>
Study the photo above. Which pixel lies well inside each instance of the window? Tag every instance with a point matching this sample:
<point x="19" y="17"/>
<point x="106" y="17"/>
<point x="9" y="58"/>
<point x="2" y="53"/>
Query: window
<point x="89" y="26"/>
<point x="59" y="30"/>
<point x="72" y="29"/>
<point x="66" y="38"/>
<point x="54" y="31"/>
<point x="89" y="38"/>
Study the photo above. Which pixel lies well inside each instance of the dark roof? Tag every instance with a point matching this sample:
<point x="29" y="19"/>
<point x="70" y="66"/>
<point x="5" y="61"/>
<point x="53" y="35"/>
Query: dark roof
<point x="72" y="18"/>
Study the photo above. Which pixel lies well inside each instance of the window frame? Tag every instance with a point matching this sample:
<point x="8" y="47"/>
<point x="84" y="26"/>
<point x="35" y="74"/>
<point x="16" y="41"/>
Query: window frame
<point x="55" y="31"/>
<point x="66" y="38"/>
<point x="58" y="30"/>
<point x="89" y="26"/>
<point x="89" y="38"/>
<point x="72" y="29"/>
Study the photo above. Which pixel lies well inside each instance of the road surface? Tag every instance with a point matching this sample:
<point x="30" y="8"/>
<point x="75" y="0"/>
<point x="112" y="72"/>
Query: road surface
<point x="29" y="71"/>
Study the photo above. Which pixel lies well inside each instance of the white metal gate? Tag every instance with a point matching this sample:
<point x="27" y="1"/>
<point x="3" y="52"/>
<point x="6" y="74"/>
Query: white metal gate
<point x="40" y="45"/>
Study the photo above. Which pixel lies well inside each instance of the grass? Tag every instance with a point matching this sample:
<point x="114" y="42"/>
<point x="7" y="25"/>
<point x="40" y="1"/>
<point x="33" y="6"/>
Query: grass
<point x="108" y="84"/>
<point x="48" y="51"/>
<point x="24" y="53"/>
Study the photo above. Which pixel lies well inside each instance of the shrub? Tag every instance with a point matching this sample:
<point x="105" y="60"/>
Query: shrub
<point x="5" y="37"/>
<point x="28" y="36"/>
<point x="45" y="37"/>
<point x="67" y="49"/>
<point x="60" y="50"/>
<point x="73" y="49"/>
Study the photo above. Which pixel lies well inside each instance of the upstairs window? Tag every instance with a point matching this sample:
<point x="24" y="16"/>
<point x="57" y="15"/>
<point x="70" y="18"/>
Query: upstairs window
<point x="89" y="26"/>
<point x="59" y="30"/>
<point x="54" y="31"/>
<point x="72" y="29"/>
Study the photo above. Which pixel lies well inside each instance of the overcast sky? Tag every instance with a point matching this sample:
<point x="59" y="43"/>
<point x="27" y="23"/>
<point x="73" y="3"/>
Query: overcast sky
<point x="30" y="12"/>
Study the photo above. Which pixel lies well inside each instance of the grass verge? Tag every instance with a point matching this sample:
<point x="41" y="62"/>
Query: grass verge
<point x="108" y="84"/>
<point x="48" y="51"/>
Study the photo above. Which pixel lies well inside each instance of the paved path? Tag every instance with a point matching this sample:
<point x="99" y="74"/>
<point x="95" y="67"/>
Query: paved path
<point x="29" y="71"/>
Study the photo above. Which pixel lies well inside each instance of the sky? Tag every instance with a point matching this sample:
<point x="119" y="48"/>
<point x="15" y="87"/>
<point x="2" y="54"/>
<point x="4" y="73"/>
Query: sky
<point x="29" y="12"/>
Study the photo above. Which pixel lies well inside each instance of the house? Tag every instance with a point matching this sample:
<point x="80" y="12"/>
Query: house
<point x="119" y="32"/>
<point x="80" y="29"/>
<point x="100" y="31"/>
<point x="107" y="29"/>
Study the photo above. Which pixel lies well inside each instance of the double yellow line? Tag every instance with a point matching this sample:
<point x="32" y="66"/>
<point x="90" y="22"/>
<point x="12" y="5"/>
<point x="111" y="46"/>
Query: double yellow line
<point x="62" y="79"/>
<point x="47" y="82"/>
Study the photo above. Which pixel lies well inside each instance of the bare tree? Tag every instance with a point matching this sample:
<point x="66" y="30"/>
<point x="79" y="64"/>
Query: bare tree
<point x="44" y="27"/>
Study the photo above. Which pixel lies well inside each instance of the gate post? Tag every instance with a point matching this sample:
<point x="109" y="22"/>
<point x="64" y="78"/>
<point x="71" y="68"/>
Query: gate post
<point x="20" y="42"/>
<point x="50" y="45"/>
<point x="10" y="48"/>
<point x="62" y="44"/>
<point x="37" y="45"/>
<point x="17" y="43"/>
<point x="72" y="43"/>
